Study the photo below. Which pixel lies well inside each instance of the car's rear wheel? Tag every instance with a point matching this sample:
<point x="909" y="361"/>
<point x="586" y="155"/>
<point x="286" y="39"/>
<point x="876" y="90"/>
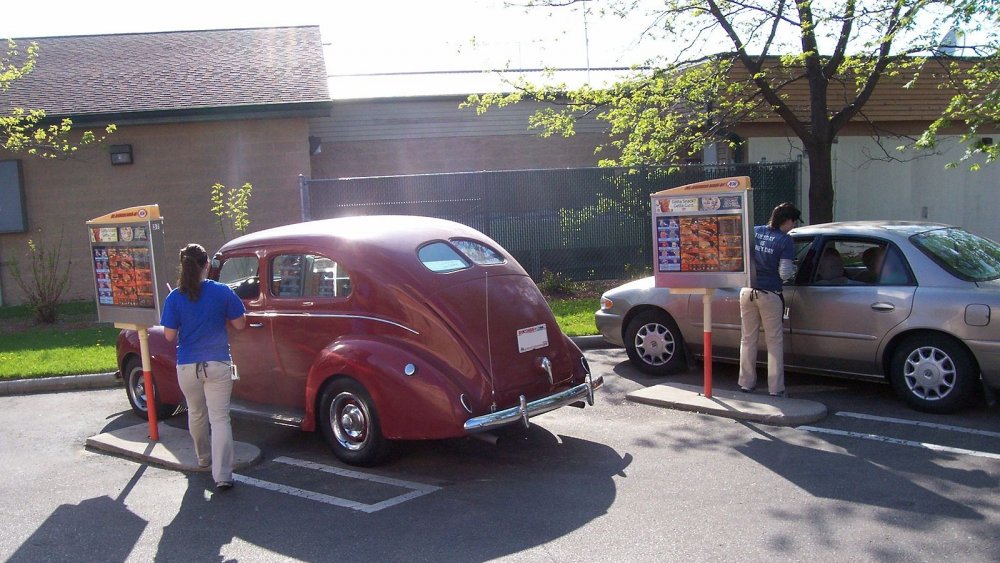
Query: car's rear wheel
<point x="350" y="423"/>
<point x="135" y="389"/>
<point x="933" y="373"/>
<point x="654" y="343"/>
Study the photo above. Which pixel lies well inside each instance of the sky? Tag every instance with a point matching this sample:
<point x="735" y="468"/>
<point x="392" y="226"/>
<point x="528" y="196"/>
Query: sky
<point x="371" y="36"/>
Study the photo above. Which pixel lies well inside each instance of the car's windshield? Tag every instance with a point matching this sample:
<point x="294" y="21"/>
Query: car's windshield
<point x="963" y="254"/>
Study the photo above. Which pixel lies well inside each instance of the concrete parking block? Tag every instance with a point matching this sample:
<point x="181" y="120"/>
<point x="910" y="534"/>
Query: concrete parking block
<point x="174" y="450"/>
<point x="757" y="407"/>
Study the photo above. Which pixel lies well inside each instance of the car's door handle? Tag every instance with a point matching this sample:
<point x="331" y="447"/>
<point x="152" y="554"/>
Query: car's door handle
<point x="256" y="325"/>
<point x="307" y="303"/>
<point x="883" y="306"/>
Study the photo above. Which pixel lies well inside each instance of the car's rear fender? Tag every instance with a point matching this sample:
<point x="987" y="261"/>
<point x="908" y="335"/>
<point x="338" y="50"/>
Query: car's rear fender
<point x="424" y="405"/>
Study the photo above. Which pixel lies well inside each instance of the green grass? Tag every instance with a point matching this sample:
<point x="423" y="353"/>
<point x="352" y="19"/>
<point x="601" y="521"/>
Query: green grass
<point x="78" y="344"/>
<point x="75" y="344"/>
<point x="576" y="315"/>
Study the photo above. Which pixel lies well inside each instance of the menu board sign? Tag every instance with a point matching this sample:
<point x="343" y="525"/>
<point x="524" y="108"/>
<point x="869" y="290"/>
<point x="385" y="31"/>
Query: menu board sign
<point x="126" y="247"/>
<point x="701" y="233"/>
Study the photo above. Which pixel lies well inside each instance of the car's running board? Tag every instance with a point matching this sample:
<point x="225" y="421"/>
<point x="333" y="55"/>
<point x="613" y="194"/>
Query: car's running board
<point x="273" y="415"/>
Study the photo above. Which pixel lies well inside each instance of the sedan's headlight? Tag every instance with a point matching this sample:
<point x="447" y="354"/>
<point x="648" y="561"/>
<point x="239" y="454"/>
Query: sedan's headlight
<point x="606" y="304"/>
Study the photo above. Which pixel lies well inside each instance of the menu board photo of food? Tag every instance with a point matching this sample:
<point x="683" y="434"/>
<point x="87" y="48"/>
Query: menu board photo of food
<point x="704" y="243"/>
<point x="124" y="276"/>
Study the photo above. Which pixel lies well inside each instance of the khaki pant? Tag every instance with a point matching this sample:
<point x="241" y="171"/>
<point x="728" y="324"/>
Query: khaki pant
<point x="761" y="308"/>
<point x="207" y="387"/>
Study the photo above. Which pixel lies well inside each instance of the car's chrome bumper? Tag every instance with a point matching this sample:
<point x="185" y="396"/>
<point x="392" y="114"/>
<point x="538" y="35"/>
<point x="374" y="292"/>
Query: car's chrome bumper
<point x="526" y="410"/>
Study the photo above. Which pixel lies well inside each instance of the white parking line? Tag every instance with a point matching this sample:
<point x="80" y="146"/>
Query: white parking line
<point x="897" y="441"/>
<point x="920" y="423"/>
<point x="416" y="489"/>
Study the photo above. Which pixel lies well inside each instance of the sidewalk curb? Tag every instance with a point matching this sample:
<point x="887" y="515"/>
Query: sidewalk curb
<point x="757" y="407"/>
<point x="58" y="384"/>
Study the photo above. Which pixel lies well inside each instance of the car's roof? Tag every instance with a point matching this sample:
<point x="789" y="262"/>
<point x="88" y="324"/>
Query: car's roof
<point x="377" y="230"/>
<point x="902" y="229"/>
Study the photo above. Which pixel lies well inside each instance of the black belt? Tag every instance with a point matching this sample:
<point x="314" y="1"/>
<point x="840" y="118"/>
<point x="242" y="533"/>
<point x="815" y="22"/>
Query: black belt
<point x="754" y="290"/>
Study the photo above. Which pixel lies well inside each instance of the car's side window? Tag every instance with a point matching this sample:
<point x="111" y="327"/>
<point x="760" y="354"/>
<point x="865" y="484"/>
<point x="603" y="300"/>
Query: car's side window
<point x="860" y="262"/>
<point x="893" y="269"/>
<point x="240" y="274"/>
<point x="308" y="275"/>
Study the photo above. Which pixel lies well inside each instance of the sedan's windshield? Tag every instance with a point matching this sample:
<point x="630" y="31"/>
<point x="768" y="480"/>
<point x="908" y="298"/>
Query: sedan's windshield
<point x="965" y="255"/>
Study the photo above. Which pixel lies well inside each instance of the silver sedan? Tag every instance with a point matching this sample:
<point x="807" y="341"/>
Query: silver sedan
<point x="910" y="302"/>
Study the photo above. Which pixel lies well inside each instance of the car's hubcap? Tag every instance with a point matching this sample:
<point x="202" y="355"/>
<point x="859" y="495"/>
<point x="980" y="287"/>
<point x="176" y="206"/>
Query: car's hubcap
<point x="929" y="373"/>
<point x="139" y="389"/>
<point x="655" y="344"/>
<point x="350" y="421"/>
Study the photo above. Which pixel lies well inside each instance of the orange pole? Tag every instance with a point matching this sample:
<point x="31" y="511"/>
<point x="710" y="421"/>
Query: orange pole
<point x="706" y="300"/>
<point x="147" y="377"/>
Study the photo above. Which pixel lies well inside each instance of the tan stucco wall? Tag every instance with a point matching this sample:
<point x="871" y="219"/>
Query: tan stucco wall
<point x="175" y="167"/>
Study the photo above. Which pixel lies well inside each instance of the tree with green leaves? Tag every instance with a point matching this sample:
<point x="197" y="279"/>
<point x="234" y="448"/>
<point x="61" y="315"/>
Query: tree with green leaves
<point x="229" y="205"/>
<point x="30" y="131"/>
<point x="813" y="63"/>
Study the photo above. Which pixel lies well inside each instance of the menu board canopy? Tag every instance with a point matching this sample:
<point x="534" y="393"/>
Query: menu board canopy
<point x="126" y="254"/>
<point x="701" y="234"/>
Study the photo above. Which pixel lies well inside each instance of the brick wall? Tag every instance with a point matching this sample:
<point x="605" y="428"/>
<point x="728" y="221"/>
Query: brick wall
<point x="175" y="167"/>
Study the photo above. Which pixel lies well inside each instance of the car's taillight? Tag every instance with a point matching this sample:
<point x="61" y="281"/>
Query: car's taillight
<point x="606" y="303"/>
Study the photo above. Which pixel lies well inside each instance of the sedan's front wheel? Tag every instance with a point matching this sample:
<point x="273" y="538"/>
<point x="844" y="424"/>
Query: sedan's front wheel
<point x="350" y="423"/>
<point x="933" y="373"/>
<point x="654" y="343"/>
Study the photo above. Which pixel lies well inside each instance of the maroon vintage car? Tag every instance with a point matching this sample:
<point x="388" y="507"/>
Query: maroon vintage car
<point x="381" y="328"/>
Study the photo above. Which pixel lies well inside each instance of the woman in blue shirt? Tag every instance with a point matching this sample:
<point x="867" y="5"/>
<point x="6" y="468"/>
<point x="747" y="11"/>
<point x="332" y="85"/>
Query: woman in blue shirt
<point x="195" y="314"/>
<point x="762" y="302"/>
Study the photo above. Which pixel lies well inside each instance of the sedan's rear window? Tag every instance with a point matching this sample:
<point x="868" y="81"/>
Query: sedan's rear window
<point x="478" y="252"/>
<point x="963" y="254"/>
<point x="441" y="257"/>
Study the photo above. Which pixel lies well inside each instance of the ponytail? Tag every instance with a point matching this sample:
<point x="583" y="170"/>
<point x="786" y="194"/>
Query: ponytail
<point x="193" y="260"/>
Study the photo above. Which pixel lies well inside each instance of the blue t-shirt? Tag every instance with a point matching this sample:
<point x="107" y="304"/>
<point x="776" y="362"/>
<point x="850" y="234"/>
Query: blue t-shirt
<point x="201" y="324"/>
<point x="770" y="246"/>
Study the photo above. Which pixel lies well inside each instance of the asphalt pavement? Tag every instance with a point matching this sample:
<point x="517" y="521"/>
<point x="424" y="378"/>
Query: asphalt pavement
<point x="174" y="448"/>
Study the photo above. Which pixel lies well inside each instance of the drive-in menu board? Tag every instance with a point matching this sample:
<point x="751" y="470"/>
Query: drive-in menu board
<point x="125" y="247"/>
<point x="124" y="274"/>
<point x="708" y="243"/>
<point x="701" y="229"/>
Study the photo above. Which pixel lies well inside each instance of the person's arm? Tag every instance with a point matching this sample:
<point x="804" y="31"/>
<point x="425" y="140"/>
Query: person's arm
<point x="239" y="323"/>
<point x="170" y="334"/>
<point x="786" y="269"/>
<point x="236" y="312"/>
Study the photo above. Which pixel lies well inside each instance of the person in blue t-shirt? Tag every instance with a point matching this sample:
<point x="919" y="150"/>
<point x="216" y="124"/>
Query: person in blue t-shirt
<point x="196" y="314"/>
<point x="762" y="302"/>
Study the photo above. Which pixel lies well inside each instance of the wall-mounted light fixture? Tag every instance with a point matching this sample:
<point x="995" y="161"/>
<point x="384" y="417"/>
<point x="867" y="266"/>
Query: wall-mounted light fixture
<point x="315" y="145"/>
<point x="121" y="154"/>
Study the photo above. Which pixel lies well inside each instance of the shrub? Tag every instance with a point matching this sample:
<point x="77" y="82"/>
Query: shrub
<point x="555" y="284"/>
<point x="47" y="282"/>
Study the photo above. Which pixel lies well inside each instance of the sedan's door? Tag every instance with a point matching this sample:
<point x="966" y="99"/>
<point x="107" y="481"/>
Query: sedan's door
<point x="252" y="348"/>
<point x="837" y="323"/>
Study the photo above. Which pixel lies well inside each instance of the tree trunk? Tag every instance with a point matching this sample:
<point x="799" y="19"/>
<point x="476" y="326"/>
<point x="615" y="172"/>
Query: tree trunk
<point x="820" y="183"/>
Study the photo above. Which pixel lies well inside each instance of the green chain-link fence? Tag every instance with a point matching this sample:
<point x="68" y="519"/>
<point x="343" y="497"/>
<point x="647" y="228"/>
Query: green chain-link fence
<point x="582" y="224"/>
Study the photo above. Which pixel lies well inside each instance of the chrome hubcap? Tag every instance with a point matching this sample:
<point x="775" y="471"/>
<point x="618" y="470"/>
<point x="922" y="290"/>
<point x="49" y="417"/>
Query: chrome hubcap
<point x="139" y="389"/>
<point x="655" y="344"/>
<point x="350" y="420"/>
<point x="929" y="373"/>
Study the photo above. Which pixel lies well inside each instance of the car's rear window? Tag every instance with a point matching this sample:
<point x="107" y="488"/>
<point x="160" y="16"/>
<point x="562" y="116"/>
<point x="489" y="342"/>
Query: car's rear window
<point x="441" y="257"/>
<point x="963" y="254"/>
<point x="478" y="252"/>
